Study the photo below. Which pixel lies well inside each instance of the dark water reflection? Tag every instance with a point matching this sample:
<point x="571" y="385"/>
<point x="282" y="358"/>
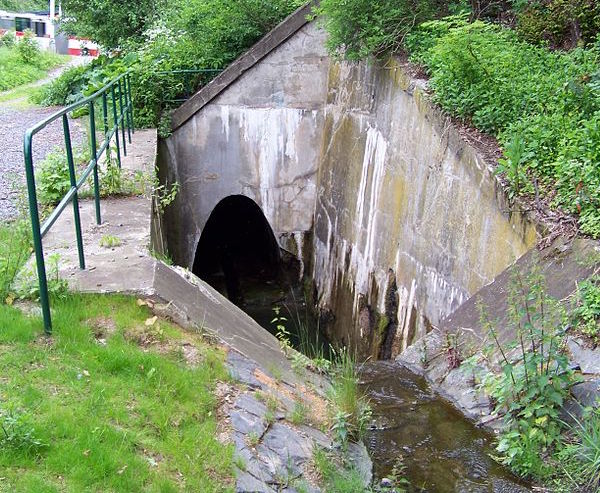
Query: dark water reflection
<point x="442" y="451"/>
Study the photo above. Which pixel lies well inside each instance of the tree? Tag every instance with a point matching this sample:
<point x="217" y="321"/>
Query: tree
<point x="110" y="22"/>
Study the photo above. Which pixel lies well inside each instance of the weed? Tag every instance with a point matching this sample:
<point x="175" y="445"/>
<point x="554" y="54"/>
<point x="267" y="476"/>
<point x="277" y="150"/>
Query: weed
<point x="17" y="433"/>
<point x="110" y="241"/>
<point x="27" y="286"/>
<point x="580" y="456"/>
<point x="351" y="412"/>
<point x="253" y="439"/>
<point x="15" y="248"/>
<point x="338" y="476"/>
<point x="587" y="312"/>
<point x="299" y="413"/>
<point x="534" y="383"/>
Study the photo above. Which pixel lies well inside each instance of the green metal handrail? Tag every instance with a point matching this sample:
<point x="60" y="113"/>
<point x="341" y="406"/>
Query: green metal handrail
<point x="119" y="91"/>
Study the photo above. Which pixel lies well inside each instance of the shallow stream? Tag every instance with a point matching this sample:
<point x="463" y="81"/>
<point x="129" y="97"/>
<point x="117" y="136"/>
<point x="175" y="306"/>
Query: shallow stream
<point x="442" y="451"/>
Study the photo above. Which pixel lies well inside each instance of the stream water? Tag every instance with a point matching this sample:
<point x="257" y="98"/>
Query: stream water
<point x="442" y="452"/>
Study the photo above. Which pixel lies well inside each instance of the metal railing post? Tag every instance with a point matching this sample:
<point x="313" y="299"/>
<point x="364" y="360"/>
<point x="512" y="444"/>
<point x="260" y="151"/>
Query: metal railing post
<point x="112" y="91"/>
<point x="37" y="237"/>
<point x="122" y="118"/>
<point x="73" y="179"/>
<point x="130" y="103"/>
<point x="93" y="149"/>
<point x="127" y="107"/>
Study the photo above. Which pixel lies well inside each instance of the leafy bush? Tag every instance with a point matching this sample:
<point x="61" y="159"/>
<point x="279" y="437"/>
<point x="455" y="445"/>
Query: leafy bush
<point x="67" y="88"/>
<point x="28" y="48"/>
<point x="559" y="23"/>
<point x="535" y="377"/>
<point x="200" y="35"/>
<point x="7" y="40"/>
<point x="547" y="116"/>
<point x="358" y="29"/>
<point x="52" y="178"/>
<point x="587" y="313"/>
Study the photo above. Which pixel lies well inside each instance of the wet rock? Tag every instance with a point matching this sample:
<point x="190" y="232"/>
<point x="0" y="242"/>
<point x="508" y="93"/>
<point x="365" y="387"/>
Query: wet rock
<point x="504" y="486"/>
<point x="587" y="393"/>
<point x="284" y="451"/>
<point x="359" y="457"/>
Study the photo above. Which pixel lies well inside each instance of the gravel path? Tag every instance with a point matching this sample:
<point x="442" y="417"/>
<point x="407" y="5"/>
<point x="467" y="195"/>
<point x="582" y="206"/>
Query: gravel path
<point x="14" y="120"/>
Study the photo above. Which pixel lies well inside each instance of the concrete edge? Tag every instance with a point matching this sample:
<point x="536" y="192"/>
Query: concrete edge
<point x="272" y="40"/>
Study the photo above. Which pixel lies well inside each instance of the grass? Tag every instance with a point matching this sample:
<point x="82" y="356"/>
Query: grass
<point x="21" y="97"/>
<point x="111" y="415"/>
<point x="14" y="72"/>
<point x="337" y="477"/>
<point x="349" y="408"/>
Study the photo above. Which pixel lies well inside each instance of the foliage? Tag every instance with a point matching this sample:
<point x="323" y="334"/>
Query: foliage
<point x="15" y="71"/>
<point x="546" y="117"/>
<point x="52" y="178"/>
<point x="27" y="285"/>
<point x="114" y="416"/>
<point x="358" y="29"/>
<point x="535" y="377"/>
<point x="28" y="48"/>
<point x="187" y="35"/>
<point x="67" y="88"/>
<point x="17" y="433"/>
<point x="350" y="410"/>
<point x="23" y="5"/>
<point x="110" y="241"/>
<point x="559" y="23"/>
<point x="110" y="22"/>
<point x="15" y="248"/>
<point x="8" y="39"/>
<point x="580" y="456"/>
<point x="338" y="476"/>
<point x="587" y="312"/>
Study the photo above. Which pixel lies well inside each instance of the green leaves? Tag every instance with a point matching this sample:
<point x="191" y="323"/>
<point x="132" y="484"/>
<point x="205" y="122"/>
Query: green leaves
<point x="546" y="117"/>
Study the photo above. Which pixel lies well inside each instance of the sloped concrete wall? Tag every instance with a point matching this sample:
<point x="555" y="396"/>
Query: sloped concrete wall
<point x="410" y="222"/>
<point x="258" y="138"/>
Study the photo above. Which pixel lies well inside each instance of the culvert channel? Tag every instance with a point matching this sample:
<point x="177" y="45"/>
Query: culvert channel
<point x="439" y="449"/>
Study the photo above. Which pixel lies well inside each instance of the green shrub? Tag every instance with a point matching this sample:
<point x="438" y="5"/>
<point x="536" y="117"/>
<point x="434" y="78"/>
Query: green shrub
<point x="559" y="23"/>
<point x="587" y="313"/>
<point x="52" y="178"/>
<point x="546" y="117"/>
<point x="535" y="378"/>
<point x="28" y="48"/>
<point x="8" y="40"/>
<point x="67" y="88"/>
<point x="358" y="29"/>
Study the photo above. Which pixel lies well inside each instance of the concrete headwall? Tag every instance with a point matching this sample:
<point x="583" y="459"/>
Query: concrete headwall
<point x="257" y="138"/>
<point x="407" y="220"/>
<point x="410" y="222"/>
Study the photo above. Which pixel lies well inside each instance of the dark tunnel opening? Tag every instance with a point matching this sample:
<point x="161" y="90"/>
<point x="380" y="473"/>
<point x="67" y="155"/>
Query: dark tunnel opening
<point x="237" y="245"/>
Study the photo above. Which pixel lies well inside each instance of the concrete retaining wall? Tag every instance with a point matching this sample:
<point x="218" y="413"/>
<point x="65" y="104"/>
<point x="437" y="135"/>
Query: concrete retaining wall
<point x="407" y="219"/>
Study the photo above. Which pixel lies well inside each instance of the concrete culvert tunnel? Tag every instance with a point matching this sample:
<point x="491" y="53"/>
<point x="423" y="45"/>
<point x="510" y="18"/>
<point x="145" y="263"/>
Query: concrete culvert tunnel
<point x="236" y="244"/>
